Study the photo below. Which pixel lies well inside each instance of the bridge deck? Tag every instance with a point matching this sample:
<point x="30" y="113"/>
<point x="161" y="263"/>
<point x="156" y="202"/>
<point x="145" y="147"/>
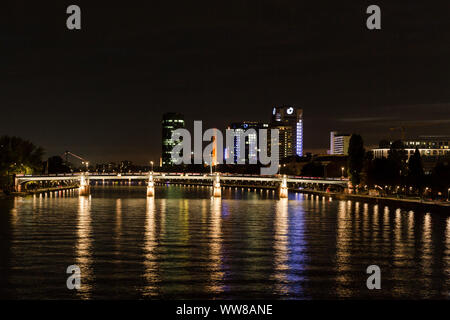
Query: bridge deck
<point x="170" y="176"/>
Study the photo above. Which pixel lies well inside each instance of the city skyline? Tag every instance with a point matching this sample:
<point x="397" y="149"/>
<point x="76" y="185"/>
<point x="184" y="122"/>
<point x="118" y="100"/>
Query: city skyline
<point x="220" y="64"/>
<point x="392" y="133"/>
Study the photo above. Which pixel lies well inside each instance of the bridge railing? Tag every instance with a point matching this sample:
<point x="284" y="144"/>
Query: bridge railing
<point x="124" y="175"/>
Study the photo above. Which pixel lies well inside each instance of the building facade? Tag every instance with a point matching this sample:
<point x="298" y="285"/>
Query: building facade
<point x="251" y="152"/>
<point x="170" y="122"/>
<point x="428" y="146"/>
<point x="339" y="143"/>
<point x="289" y="121"/>
<point x="433" y="149"/>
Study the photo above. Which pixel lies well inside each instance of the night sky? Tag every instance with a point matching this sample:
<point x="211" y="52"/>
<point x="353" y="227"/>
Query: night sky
<point x="100" y="92"/>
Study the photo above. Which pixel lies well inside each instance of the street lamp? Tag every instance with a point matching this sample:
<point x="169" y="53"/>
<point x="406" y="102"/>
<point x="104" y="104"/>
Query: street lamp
<point x="151" y="163"/>
<point x="425" y="192"/>
<point x="342" y="170"/>
<point x="87" y="165"/>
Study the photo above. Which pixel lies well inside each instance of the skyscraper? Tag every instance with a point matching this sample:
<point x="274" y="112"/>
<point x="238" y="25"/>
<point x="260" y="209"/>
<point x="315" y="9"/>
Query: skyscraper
<point x="251" y="141"/>
<point x="170" y="122"/>
<point x="289" y="121"/>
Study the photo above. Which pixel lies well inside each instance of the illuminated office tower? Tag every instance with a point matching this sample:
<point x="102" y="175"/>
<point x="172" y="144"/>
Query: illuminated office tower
<point x="251" y="151"/>
<point x="289" y="121"/>
<point x="170" y="122"/>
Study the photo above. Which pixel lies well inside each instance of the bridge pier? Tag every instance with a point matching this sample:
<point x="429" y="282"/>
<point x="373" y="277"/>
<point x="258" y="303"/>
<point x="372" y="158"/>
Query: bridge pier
<point x="17" y="185"/>
<point x="84" y="189"/>
<point x="150" y="186"/>
<point x="283" y="188"/>
<point x="216" y="184"/>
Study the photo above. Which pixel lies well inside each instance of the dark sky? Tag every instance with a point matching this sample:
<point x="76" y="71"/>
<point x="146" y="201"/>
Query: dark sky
<point x="100" y="92"/>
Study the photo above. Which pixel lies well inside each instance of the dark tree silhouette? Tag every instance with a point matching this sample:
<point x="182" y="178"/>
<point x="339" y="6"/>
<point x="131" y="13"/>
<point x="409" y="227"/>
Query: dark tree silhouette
<point x="398" y="156"/>
<point x="355" y="158"/>
<point x="367" y="167"/>
<point x="56" y="165"/>
<point x="416" y="175"/>
<point x="313" y="169"/>
<point x="18" y="156"/>
<point x="382" y="172"/>
<point x="441" y="178"/>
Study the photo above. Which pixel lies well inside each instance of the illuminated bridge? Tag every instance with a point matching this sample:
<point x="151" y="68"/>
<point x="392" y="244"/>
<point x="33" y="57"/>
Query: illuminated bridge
<point x="217" y="179"/>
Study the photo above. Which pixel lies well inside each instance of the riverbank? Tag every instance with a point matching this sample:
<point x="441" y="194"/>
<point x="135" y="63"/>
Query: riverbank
<point x="43" y="190"/>
<point x="404" y="202"/>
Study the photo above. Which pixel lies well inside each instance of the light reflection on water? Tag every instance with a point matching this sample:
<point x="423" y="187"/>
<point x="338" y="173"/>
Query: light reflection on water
<point x="215" y="242"/>
<point x="83" y="246"/>
<point x="249" y="244"/>
<point x="281" y="252"/>
<point x="150" y="244"/>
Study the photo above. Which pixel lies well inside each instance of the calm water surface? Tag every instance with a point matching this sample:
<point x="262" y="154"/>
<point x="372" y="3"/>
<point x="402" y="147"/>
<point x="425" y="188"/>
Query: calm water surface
<point x="249" y="244"/>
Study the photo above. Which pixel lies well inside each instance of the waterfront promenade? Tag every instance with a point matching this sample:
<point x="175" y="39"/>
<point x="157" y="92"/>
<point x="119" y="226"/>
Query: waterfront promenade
<point x="404" y="201"/>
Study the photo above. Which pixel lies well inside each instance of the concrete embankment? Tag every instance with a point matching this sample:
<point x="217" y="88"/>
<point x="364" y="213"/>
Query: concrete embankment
<point x="44" y="190"/>
<point x="403" y="202"/>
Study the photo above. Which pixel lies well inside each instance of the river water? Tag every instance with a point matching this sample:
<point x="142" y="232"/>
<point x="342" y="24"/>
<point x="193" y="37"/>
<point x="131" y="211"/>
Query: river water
<point x="247" y="245"/>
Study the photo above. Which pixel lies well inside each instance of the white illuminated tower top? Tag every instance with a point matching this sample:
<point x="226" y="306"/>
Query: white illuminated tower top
<point x="289" y="121"/>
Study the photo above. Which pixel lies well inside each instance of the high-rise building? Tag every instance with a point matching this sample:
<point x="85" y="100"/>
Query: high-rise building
<point x="170" y="122"/>
<point x="339" y="143"/>
<point x="289" y="121"/>
<point x="250" y="154"/>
